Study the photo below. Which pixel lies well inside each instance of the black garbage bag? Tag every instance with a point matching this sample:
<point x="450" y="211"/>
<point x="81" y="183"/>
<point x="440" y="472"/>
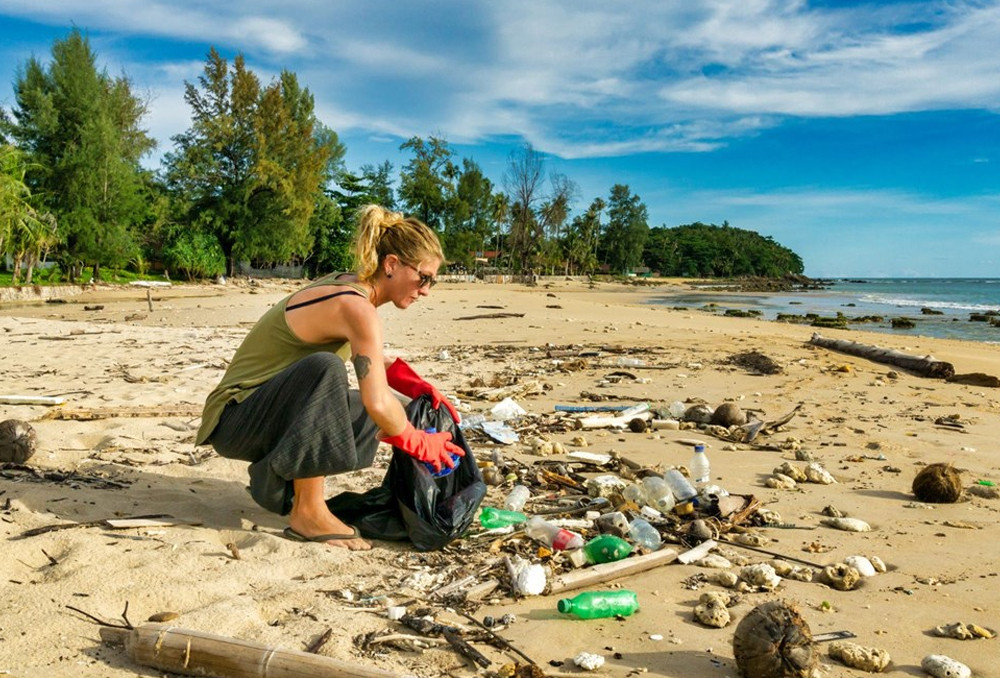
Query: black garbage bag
<point x="411" y="503"/>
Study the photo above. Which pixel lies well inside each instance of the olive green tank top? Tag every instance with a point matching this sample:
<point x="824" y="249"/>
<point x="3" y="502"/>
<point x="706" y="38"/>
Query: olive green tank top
<point x="270" y="347"/>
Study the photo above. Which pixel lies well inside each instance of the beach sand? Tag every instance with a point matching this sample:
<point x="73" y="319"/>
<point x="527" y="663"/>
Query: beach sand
<point x="146" y="373"/>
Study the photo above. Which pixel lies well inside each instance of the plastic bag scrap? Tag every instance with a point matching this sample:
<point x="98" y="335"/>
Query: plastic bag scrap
<point x="411" y="503"/>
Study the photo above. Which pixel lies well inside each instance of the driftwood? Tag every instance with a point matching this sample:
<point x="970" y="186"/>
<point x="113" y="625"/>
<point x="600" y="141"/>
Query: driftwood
<point x="193" y="653"/>
<point x="924" y="366"/>
<point x="179" y="411"/>
<point x="603" y="572"/>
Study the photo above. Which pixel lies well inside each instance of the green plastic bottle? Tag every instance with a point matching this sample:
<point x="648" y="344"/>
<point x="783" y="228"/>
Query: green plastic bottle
<point x="597" y="604"/>
<point x="492" y="518"/>
<point x="606" y="548"/>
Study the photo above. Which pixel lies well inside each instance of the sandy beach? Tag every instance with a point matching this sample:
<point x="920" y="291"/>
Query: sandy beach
<point x="136" y="370"/>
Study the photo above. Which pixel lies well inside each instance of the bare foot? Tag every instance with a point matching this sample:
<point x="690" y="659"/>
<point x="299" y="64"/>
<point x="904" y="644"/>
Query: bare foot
<point x="309" y="525"/>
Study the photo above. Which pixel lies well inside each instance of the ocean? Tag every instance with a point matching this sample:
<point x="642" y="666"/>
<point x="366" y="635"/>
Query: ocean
<point x="954" y="298"/>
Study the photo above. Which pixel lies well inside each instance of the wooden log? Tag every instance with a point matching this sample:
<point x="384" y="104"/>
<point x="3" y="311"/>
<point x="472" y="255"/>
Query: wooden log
<point x="924" y="366"/>
<point x="193" y="653"/>
<point x="603" y="572"/>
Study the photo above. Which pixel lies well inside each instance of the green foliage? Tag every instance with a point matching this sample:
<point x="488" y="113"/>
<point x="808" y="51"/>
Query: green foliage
<point x="427" y="180"/>
<point x="333" y="238"/>
<point x="82" y="132"/>
<point x="194" y="254"/>
<point x="627" y="230"/>
<point x="707" y="250"/>
<point x="253" y="163"/>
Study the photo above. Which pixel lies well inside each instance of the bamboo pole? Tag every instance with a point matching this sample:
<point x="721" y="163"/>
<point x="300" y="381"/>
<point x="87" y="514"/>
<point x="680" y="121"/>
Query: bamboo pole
<point x="603" y="572"/>
<point x="193" y="653"/>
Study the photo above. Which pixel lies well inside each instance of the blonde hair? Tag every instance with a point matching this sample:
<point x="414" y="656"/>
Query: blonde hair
<point x="382" y="232"/>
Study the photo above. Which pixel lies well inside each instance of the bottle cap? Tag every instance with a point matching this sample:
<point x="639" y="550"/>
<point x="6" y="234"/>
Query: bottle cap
<point x="684" y="508"/>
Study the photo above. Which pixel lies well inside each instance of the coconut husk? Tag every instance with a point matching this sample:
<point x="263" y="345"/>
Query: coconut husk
<point x="18" y="441"/>
<point x="774" y="641"/>
<point x="938" y="484"/>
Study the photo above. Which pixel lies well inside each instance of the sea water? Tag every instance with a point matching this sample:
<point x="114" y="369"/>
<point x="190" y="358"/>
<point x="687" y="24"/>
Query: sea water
<point x="890" y="298"/>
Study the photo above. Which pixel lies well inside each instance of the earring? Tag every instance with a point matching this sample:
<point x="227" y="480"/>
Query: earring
<point x="388" y="275"/>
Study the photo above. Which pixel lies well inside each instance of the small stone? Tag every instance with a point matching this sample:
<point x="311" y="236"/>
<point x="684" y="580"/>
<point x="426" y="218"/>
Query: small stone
<point x="712" y="611"/>
<point x="841" y="576"/>
<point x="588" y="661"/>
<point x="815" y="473"/>
<point x="792" y="471"/>
<point x="761" y="575"/>
<point x="940" y="666"/>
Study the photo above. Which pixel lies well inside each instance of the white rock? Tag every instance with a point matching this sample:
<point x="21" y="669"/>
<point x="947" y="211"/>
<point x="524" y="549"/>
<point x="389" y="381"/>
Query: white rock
<point x="847" y="524"/>
<point x="941" y="666"/>
<point x="714" y="560"/>
<point x="588" y="661"/>
<point x="761" y="575"/>
<point x="817" y="474"/>
<point x="864" y="566"/>
<point x="878" y="564"/>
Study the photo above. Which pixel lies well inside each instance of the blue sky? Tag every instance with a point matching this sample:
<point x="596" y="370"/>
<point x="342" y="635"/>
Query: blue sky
<point x="865" y="136"/>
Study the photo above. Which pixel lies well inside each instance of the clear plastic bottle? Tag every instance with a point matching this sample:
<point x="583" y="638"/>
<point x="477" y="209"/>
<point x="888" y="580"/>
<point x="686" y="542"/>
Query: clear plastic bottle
<point x="492" y="518"/>
<point x="516" y="499"/>
<point x="597" y="604"/>
<point x="606" y="548"/>
<point x="635" y="494"/>
<point x="700" y="469"/>
<point x="677" y="409"/>
<point x="681" y="487"/>
<point x="558" y="538"/>
<point x="658" y="494"/>
<point x="471" y="421"/>
<point x="645" y="534"/>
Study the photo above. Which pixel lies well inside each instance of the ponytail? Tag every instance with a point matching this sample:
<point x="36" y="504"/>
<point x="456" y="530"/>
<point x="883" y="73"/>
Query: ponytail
<point x="381" y="232"/>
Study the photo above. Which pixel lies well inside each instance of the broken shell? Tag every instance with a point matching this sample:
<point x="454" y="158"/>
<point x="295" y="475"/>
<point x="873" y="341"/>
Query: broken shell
<point x="768" y="516"/>
<point x="847" y="524"/>
<point x="864" y="566"/>
<point x="792" y="471"/>
<point x="779" y="481"/>
<point x="941" y="666"/>
<point x="815" y="473"/>
<point x="761" y="575"/>
<point x="750" y="539"/>
<point x="878" y="564"/>
<point x="723" y="578"/>
<point x="870" y="659"/>
<point x="981" y="631"/>
<point x="800" y="574"/>
<point x="712" y="611"/>
<point x="163" y="616"/>
<point x="781" y="567"/>
<point x="588" y="661"/>
<point x="833" y="511"/>
<point x="714" y="560"/>
<point x="841" y="576"/>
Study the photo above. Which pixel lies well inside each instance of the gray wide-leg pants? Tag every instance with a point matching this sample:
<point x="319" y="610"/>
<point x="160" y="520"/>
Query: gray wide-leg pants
<point x="303" y="423"/>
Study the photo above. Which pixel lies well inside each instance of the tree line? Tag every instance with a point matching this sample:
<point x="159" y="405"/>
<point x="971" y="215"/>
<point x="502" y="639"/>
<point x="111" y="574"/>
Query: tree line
<point x="258" y="178"/>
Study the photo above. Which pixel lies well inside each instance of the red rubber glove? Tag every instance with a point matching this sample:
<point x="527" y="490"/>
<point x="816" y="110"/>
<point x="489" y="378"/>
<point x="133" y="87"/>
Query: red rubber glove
<point x="402" y="378"/>
<point x="434" y="448"/>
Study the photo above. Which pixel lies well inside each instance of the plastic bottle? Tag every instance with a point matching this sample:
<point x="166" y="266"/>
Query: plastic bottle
<point x="681" y="487"/>
<point x="629" y="362"/>
<point x="645" y="534"/>
<point x="606" y="548"/>
<point x="492" y="518"/>
<point x="558" y="538"/>
<point x="597" y="604"/>
<point x="517" y="497"/>
<point x="635" y="494"/>
<point x="658" y="494"/>
<point x="700" y="470"/>
<point x="445" y="469"/>
<point x="470" y="421"/>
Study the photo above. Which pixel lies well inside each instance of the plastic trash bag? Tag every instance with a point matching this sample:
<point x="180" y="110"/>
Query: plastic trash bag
<point x="411" y="503"/>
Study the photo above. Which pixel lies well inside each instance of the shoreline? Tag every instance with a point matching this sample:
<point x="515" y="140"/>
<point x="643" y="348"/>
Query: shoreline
<point x="872" y="426"/>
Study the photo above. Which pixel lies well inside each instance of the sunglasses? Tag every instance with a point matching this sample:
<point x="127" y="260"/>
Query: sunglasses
<point x="426" y="279"/>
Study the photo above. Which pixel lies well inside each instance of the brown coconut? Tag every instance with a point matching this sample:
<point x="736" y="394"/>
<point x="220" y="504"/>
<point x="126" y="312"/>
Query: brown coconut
<point x="729" y="414"/>
<point x="17" y="441"/>
<point x="938" y="484"/>
<point x="774" y="641"/>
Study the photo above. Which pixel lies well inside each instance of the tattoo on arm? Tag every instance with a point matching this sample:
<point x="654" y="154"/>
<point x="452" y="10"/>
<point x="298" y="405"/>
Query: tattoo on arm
<point x="362" y="365"/>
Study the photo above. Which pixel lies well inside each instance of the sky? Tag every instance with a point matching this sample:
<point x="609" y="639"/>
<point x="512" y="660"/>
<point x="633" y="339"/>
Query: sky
<point x="864" y="136"/>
